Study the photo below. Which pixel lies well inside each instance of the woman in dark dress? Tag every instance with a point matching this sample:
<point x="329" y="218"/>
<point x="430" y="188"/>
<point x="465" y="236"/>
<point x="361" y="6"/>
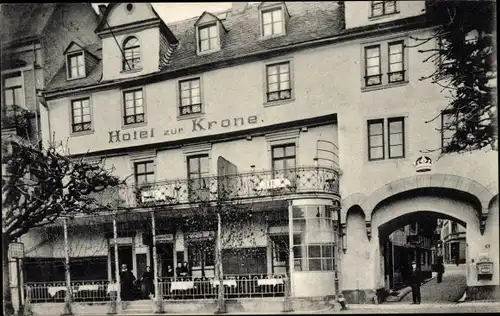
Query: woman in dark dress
<point x="127" y="280"/>
<point x="147" y="281"/>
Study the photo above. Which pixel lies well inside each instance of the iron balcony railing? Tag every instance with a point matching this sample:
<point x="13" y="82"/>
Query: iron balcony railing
<point x="255" y="184"/>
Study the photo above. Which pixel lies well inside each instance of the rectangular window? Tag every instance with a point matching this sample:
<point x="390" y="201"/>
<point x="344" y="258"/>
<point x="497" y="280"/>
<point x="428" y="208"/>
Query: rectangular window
<point x="81" y="118"/>
<point x="448" y="128"/>
<point x="76" y="66"/>
<point x="134" y="107"/>
<point x="283" y="157"/>
<point x="13" y="92"/>
<point x="198" y="172"/>
<point x="272" y="22"/>
<point x="278" y="82"/>
<point x="396" y="131"/>
<point x="208" y="38"/>
<point x="373" y="71"/>
<point x="376" y="139"/>
<point x="281" y="247"/>
<point x="396" y="62"/>
<point x="144" y="172"/>
<point x="380" y="8"/>
<point x="190" y="96"/>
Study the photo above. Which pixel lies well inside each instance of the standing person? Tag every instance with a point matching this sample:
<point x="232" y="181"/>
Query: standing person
<point x="127" y="280"/>
<point x="457" y="260"/>
<point x="170" y="277"/>
<point x="187" y="268"/>
<point x="170" y="272"/>
<point x="147" y="281"/>
<point x="179" y="270"/>
<point x="415" y="281"/>
<point x="440" y="270"/>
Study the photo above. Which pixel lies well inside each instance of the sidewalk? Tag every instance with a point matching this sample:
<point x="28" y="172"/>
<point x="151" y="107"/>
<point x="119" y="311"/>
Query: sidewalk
<point x="403" y="292"/>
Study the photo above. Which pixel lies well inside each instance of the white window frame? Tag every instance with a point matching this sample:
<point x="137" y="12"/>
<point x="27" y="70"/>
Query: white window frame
<point x="144" y="104"/>
<point x="123" y="63"/>
<point x="217" y="47"/>
<point x="271" y="62"/>
<point x="83" y="132"/>
<point x="68" y="65"/>
<point x="384" y="43"/>
<point x="5" y="87"/>
<point x="261" y="20"/>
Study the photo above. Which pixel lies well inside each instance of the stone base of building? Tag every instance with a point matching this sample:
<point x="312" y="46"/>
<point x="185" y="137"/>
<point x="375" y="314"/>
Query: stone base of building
<point x="245" y="305"/>
<point x="484" y="293"/>
<point x="366" y="296"/>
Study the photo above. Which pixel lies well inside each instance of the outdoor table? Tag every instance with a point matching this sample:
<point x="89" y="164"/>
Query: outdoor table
<point x="87" y="287"/>
<point x="112" y="287"/>
<point x="269" y="281"/>
<point x="54" y="289"/>
<point x="225" y="282"/>
<point x="181" y="285"/>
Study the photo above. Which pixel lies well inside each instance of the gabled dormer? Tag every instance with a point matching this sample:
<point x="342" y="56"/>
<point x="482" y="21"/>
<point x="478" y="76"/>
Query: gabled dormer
<point x="79" y="61"/>
<point x="210" y="32"/>
<point x="273" y="18"/>
<point x="135" y="41"/>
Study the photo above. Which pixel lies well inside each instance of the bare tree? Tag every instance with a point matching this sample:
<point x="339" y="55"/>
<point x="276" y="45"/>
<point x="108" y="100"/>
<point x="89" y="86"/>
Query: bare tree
<point x="42" y="186"/>
<point x="465" y="59"/>
<point x="235" y="225"/>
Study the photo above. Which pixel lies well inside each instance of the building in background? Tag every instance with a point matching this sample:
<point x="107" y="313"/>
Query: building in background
<point x="411" y="242"/>
<point x="31" y="38"/>
<point x="453" y="242"/>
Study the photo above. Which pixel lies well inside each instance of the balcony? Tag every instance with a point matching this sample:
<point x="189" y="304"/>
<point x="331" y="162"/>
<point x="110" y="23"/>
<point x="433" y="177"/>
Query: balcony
<point x="255" y="184"/>
<point x="18" y="118"/>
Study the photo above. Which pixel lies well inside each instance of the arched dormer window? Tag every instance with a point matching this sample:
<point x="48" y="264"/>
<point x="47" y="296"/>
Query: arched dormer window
<point x="132" y="52"/>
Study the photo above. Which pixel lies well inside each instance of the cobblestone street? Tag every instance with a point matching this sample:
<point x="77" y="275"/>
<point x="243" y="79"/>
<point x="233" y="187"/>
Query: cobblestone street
<point x="448" y="291"/>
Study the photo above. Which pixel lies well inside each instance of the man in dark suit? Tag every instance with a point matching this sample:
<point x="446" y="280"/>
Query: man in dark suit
<point x="415" y="282"/>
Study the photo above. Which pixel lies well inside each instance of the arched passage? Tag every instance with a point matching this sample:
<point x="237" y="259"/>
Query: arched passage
<point x="362" y="259"/>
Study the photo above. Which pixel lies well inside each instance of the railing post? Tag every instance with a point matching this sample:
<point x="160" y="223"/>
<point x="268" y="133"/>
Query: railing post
<point x="288" y="279"/>
<point x="117" y="267"/>
<point x="158" y="296"/>
<point x="69" y="290"/>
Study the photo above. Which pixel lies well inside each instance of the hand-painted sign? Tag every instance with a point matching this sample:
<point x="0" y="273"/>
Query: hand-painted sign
<point x="197" y="125"/>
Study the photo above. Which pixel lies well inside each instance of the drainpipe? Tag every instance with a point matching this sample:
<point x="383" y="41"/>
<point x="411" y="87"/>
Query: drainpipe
<point x="45" y="105"/>
<point x="34" y="95"/>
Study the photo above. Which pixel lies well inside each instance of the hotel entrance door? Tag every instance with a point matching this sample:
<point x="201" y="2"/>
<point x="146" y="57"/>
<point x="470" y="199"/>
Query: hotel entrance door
<point x="125" y="256"/>
<point x="165" y="253"/>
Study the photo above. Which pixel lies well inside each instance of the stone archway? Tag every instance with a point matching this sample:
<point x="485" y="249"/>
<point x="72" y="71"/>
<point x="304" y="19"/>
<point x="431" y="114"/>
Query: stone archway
<point x="447" y="181"/>
<point x="478" y="208"/>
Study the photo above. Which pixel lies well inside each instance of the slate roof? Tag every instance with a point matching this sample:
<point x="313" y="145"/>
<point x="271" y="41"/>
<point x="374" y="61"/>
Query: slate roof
<point x="24" y="21"/>
<point x="308" y="21"/>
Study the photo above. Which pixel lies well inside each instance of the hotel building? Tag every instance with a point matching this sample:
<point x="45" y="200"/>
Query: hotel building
<point x="311" y="113"/>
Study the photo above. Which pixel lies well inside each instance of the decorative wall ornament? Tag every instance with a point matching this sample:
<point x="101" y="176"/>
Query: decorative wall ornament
<point x="423" y="164"/>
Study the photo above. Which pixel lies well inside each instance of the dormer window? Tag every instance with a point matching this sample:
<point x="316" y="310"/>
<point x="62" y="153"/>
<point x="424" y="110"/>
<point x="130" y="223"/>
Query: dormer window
<point x="75" y="65"/>
<point x="132" y="54"/>
<point x="272" y="22"/>
<point x="208" y="38"/>
<point x="380" y="8"/>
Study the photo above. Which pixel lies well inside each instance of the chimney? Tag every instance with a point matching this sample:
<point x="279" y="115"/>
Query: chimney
<point x="239" y="7"/>
<point x="102" y="8"/>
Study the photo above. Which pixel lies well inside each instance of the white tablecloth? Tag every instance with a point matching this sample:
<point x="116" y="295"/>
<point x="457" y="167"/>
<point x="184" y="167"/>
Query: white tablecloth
<point x="54" y="289"/>
<point x="182" y="285"/>
<point x="225" y="282"/>
<point x="112" y="287"/>
<point x="269" y="281"/>
<point x="87" y="287"/>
